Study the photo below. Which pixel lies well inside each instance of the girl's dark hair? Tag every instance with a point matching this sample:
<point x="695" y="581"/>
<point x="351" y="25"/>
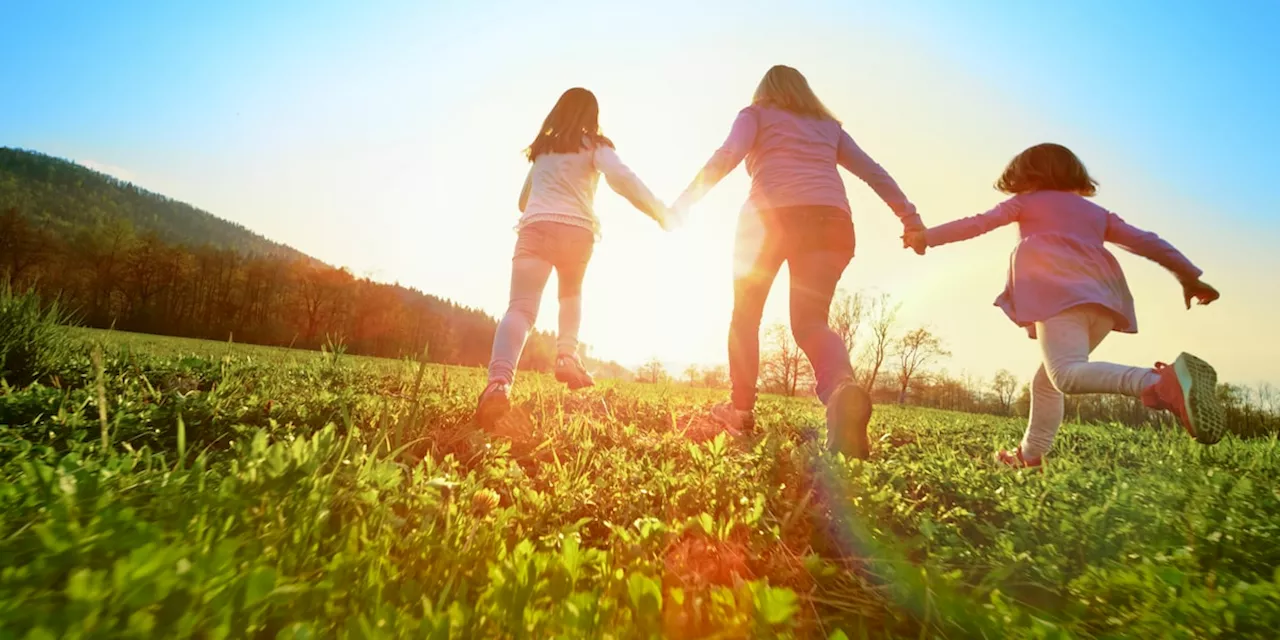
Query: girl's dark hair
<point x="572" y="125"/>
<point x="1046" y="167"/>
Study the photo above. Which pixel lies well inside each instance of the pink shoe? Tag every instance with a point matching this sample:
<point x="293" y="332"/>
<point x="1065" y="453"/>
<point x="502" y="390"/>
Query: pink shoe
<point x="494" y="404"/>
<point x="1189" y="390"/>
<point x="1014" y="459"/>
<point x="570" y="371"/>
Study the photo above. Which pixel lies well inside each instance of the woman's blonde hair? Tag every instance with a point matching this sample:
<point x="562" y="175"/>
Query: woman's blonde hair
<point x="785" y="88"/>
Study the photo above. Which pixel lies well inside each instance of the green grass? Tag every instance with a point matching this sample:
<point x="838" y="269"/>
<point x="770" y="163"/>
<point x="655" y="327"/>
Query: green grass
<point x="248" y="491"/>
<point x="166" y="346"/>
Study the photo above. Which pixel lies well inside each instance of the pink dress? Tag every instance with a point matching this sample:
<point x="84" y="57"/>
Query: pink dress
<point x="1061" y="261"/>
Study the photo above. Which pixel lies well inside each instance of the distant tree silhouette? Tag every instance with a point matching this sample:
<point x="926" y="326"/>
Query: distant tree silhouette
<point x="653" y="371"/>
<point x="883" y="317"/>
<point x="1005" y="386"/>
<point x="714" y="377"/>
<point x="847" y="311"/>
<point x="784" y="367"/>
<point x="914" y="351"/>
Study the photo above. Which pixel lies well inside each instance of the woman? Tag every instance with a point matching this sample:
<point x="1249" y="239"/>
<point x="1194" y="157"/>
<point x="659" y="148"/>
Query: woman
<point x="797" y="213"/>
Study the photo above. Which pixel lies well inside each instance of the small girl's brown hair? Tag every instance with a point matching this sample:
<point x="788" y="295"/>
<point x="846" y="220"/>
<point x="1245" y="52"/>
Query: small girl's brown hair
<point x="1046" y="167"/>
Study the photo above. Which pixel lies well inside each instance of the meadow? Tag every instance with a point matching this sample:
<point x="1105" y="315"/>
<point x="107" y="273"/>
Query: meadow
<point x="159" y="487"/>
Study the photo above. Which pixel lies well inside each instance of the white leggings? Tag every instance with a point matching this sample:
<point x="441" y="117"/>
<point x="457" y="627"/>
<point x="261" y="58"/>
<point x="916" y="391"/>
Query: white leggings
<point x="1066" y="340"/>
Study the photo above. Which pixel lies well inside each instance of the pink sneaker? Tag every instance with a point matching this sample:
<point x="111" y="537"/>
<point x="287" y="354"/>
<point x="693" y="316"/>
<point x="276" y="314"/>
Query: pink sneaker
<point x="1017" y="461"/>
<point x="1189" y="390"/>
<point x="570" y="371"/>
<point x="494" y="404"/>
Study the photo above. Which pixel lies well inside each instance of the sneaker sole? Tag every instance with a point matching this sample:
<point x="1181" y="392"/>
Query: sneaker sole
<point x="572" y="382"/>
<point x="1200" y="389"/>
<point x="492" y="410"/>
<point x="848" y="413"/>
<point x="740" y="427"/>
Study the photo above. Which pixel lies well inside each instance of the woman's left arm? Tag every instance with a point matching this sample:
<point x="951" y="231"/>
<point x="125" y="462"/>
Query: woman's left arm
<point x="856" y="161"/>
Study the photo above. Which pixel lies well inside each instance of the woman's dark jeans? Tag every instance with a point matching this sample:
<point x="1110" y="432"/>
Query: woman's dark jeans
<point x="817" y="244"/>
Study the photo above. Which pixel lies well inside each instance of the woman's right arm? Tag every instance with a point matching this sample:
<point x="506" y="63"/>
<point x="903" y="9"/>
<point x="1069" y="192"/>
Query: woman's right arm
<point x="724" y="160"/>
<point x="625" y="182"/>
<point x="974" y="226"/>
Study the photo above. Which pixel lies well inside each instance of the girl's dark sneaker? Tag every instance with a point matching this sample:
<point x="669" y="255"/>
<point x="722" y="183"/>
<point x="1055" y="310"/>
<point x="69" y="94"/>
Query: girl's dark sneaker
<point x="494" y="404"/>
<point x="1016" y="460"/>
<point x="736" y="421"/>
<point x="1189" y="390"/>
<point x="848" y="413"/>
<point x="570" y="371"/>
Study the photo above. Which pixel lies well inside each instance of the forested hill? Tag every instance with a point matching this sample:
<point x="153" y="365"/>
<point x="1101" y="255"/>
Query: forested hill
<point x="119" y="256"/>
<point x="63" y="197"/>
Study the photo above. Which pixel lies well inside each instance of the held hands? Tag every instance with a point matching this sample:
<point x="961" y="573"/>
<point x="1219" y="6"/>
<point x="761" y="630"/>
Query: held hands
<point x="1200" y="291"/>
<point x="670" y="218"/>
<point x="915" y="240"/>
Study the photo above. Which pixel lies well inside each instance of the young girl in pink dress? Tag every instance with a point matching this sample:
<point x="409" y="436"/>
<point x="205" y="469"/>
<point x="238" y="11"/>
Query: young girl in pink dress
<point x="1068" y="291"/>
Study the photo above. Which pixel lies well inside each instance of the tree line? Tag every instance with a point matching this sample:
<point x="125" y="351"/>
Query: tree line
<point x="112" y="276"/>
<point x="900" y="365"/>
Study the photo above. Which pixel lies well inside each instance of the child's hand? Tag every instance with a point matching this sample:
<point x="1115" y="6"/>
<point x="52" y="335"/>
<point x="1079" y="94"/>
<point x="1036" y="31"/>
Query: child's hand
<point x="1200" y="291"/>
<point x="915" y="240"/>
<point x="670" y="219"/>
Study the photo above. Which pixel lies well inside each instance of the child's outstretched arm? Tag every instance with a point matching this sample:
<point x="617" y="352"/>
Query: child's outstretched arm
<point x="856" y="161"/>
<point x="974" y="226"/>
<point x="1150" y="246"/>
<point x="623" y="181"/>
<point x="1159" y="251"/>
<point x="723" y="161"/>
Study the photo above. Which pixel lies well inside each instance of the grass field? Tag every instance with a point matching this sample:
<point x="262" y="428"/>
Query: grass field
<point x="183" y="488"/>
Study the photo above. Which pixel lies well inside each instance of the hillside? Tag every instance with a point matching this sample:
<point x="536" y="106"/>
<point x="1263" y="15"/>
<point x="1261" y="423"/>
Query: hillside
<point x="119" y="256"/>
<point x="64" y="197"/>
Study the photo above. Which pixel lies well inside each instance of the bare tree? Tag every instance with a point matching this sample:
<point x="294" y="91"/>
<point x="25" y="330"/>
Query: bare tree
<point x="1005" y="386"/>
<point x="846" y="316"/>
<point x="784" y="365"/>
<point x="914" y="351"/>
<point x="692" y="372"/>
<point x="714" y="377"/>
<point x="1268" y="398"/>
<point x="883" y="316"/>
<point x="653" y="371"/>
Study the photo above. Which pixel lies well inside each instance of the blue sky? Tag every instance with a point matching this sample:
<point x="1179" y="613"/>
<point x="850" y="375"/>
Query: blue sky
<point x="385" y="136"/>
